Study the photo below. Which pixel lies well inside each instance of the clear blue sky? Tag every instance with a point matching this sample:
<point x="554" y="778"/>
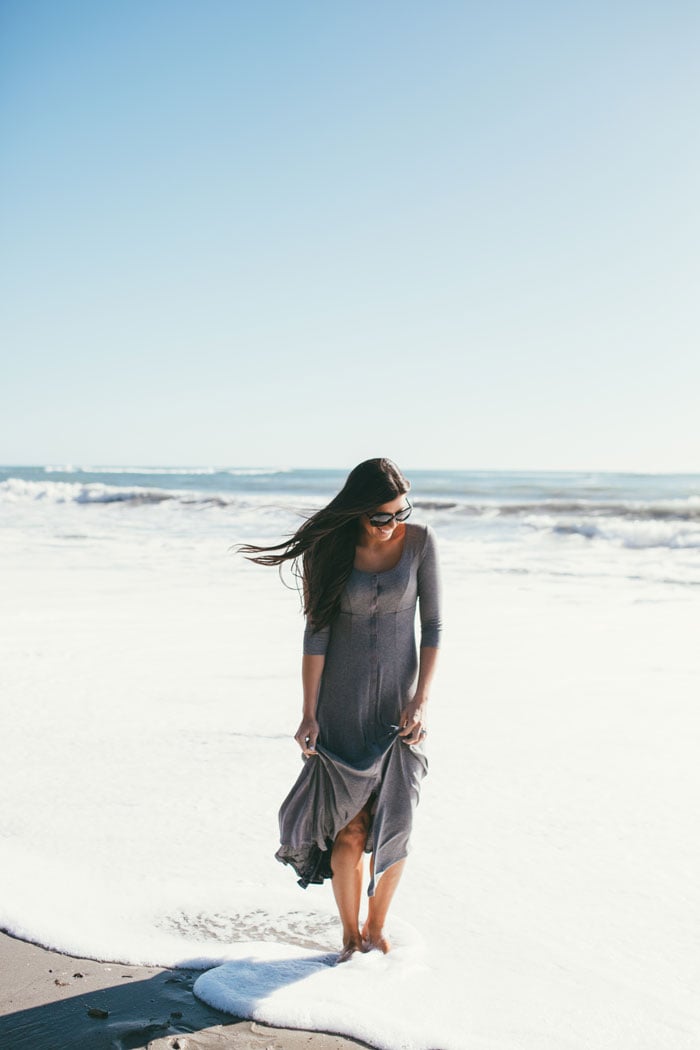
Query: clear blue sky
<point x="302" y="233"/>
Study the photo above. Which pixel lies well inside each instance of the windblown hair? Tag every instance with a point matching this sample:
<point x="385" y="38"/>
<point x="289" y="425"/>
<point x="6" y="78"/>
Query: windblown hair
<point x="325" y="543"/>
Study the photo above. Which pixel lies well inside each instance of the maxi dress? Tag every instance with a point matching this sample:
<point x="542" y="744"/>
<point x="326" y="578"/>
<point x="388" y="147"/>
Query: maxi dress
<point x="369" y="675"/>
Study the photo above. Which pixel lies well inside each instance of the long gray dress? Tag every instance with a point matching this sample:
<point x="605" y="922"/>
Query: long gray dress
<point x="369" y="675"/>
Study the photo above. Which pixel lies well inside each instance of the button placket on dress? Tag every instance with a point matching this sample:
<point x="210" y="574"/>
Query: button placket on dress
<point x="374" y="644"/>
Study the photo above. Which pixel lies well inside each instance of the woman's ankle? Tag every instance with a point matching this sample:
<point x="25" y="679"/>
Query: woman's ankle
<point x="352" y="936"/>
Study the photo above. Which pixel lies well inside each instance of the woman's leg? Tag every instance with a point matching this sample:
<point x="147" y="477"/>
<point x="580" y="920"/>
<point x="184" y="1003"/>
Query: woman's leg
<point x="347" y="866"/>
<point x="373" y="929"/>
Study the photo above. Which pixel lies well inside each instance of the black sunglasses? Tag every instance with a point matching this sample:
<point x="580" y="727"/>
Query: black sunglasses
<point x="378" y="520"/>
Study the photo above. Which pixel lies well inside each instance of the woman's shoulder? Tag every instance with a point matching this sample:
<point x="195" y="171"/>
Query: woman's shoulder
<point x="419" y="536"/>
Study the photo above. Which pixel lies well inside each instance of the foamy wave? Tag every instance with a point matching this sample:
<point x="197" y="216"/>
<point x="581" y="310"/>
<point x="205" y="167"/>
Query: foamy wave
<point x="634" y="535"/>
<point x="662" y="510"/>
<point x="681" y="510"/>
<point x="288" y="987"/>
<point x="15" y="490"/>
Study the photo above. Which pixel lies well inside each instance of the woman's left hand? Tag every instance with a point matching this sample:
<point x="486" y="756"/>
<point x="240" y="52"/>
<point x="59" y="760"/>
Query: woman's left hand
<point x="413" y="722"/>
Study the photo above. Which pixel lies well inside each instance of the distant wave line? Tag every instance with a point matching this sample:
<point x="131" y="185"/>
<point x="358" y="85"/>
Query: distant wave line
<point x="671" y="510"/>
<point x="177" y="471"/>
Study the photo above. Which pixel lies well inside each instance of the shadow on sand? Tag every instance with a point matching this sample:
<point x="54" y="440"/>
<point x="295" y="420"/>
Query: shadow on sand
<point x="160" y="1012"/>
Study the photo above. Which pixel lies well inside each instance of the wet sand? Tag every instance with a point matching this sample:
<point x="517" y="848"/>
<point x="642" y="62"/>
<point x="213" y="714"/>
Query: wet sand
<point x="50" y="1001"/>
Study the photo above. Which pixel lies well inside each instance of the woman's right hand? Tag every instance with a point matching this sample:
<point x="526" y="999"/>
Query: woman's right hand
<point x="307" y="735"/>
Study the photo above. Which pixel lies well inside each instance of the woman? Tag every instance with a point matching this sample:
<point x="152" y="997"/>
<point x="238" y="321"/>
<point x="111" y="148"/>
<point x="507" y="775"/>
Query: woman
<point x="363" y="568"/>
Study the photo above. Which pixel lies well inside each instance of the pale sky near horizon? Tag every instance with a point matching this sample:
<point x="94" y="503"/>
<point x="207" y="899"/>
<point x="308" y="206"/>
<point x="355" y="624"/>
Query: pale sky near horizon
<point x="302" y="233"/>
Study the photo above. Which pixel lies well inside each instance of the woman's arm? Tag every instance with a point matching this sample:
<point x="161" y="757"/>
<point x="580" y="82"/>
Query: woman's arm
<point x="429" y="584"/>
<point x="413" y="716"/>
<point x="426" y="673"/>
<point x="311" y="671"/>
<point x="315" y="645"/>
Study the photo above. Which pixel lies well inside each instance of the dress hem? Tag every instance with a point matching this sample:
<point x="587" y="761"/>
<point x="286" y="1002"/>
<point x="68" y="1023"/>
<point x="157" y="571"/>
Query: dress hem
<point x="311" y="863"/>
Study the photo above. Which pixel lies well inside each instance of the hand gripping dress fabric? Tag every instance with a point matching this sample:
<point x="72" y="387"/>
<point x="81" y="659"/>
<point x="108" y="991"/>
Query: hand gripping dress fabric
<point x="369" y="675"/>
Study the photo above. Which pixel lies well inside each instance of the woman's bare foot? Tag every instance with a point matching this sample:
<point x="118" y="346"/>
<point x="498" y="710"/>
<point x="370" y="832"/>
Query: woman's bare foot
<point x="352" y="945"/>
<point x="374" y="939"/>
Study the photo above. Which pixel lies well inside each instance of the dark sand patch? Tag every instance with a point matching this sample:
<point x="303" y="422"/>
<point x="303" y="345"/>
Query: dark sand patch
<point x="51" y="1001"/>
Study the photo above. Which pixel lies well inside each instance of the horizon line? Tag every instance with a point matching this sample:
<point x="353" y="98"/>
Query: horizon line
<point x="186" y="468"/>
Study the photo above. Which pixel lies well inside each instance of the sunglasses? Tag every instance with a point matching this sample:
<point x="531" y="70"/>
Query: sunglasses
<point x="379" y="520"/>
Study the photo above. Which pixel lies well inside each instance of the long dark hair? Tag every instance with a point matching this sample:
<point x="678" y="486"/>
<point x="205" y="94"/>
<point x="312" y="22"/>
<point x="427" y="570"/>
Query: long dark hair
<point x="325" y="543"/>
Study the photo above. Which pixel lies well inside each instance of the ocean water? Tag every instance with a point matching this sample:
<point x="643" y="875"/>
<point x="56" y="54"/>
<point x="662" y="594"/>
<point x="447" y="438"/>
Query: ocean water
<point x="646" y="526"/>
<point x="150" y="692"/>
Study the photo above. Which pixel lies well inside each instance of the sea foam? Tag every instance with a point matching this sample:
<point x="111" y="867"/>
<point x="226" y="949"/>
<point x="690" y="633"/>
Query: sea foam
<point x="392" y="1002"/>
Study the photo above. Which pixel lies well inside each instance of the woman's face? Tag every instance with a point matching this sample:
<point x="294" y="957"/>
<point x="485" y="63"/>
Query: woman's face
<point x="382" y="533"/>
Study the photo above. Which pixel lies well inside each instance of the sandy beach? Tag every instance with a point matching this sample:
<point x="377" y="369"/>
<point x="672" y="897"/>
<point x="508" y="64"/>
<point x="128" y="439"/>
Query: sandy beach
<point x="51" y="1001"/>
<point x="152" y="692"/>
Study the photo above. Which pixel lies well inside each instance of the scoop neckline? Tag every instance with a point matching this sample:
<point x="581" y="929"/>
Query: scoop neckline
<point x="383" y="572"/>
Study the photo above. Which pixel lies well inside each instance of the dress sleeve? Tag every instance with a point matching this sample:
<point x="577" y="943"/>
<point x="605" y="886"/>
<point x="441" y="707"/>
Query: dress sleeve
<point x="316" y="642"/>
<point x="430" y="592"/>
